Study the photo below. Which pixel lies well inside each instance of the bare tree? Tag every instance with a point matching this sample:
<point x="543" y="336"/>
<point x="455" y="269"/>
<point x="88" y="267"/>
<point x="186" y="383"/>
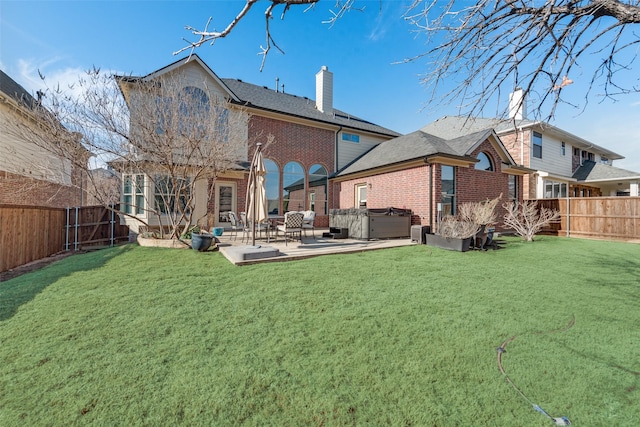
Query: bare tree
<point x="526" y="219"/>
<point x="482" y="49"/>
<point x="165" y="139"/>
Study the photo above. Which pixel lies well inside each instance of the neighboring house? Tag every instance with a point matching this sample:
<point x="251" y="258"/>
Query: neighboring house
<point x="311" y="140"/>
<point x="432" y="176"/>
<point x="30" y="174"/>
<point x="565" y="165"/>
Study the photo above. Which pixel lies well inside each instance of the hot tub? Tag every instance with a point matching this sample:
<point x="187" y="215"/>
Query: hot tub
<point x="365" y="224"/>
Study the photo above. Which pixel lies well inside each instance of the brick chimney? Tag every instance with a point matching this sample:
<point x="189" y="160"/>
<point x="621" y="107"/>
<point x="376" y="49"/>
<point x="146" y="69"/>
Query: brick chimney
<point x="324" y="90"/>
<point x="517" y="106"/>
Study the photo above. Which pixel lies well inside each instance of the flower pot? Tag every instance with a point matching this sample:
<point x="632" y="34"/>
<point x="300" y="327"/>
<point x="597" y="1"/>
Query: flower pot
<point x="217" y="231"/>
<point x="201" y="241"/>
<point x="449" y="243"/>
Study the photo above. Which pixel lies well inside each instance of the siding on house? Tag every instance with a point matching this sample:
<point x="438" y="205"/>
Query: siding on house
<point x="349" y="151"/>
<point x="552" y="160"/>
<point x="30" y="174"/>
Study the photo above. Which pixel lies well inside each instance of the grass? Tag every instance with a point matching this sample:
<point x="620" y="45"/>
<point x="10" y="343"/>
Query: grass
<point x="401" y="337"/>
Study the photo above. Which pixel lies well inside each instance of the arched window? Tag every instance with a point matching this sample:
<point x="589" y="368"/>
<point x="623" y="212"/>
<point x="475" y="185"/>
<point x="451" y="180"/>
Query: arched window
<point x="318" y="189"/>
<point x="293" y="187"/>
<point x="485" y="163"/>
<point x="272" y="180"/>
<point x="194" y="112"/>
<point x="193" y="100"/>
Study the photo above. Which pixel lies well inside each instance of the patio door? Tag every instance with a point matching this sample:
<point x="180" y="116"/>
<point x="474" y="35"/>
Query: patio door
<point x="226" y="200"/>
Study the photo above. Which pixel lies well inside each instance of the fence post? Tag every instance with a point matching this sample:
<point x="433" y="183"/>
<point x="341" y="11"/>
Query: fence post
<point x="75" y="244"/>
<point x="568" y="215"/>
<point x="112" y="230"/>
<point x="66" y="237"/>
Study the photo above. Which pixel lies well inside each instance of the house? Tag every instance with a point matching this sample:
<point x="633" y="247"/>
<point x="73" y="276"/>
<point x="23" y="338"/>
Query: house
<point x="311" y="140"/>
<point x="431" y="175"/>
<point x="30" y="172"/>
<point x="565" y="165"/>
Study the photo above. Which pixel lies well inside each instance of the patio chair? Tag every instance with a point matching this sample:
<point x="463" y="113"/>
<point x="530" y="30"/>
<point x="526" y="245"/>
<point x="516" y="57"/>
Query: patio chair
<point x="236" y="224"/>
<point x="292" y="225"/>
<point x="260" y="227"/>
<point x="307" y="222"/>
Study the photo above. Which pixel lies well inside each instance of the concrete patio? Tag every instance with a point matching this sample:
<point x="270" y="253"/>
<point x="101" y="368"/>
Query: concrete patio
<point x="243" y="253"/>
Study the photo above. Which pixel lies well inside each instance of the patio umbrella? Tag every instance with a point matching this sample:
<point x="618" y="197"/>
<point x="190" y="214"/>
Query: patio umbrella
<point x="256" y="193"/>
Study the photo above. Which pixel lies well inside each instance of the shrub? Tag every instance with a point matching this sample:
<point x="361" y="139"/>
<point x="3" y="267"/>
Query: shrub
<point x="526" y="219"/>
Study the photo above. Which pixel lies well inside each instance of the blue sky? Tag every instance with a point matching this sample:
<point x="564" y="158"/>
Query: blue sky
<point x="62" y="38"/>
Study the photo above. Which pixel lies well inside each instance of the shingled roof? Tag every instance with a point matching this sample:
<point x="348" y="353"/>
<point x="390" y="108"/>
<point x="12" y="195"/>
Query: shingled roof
<point x="592" y="171"/>
<point x="263" y="98"/>
<point x="270" y="100"/>
<point x="454" y="126"/>
<point x="11" y="88"/>
<point x="415" y="145"/>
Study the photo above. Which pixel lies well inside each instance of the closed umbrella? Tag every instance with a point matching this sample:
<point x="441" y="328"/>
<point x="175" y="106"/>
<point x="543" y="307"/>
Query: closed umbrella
<point x="256" y="192"/>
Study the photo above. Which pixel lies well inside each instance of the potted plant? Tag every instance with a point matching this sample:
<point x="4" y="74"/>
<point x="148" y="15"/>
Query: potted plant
<point x="454" y="234"/>
<point x="200" y="240"/>
<point x="458" y="232"/>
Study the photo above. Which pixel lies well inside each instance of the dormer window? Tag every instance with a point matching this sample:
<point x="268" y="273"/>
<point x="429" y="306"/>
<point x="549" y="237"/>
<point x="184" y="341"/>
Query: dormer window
<point x="485" y="163"/>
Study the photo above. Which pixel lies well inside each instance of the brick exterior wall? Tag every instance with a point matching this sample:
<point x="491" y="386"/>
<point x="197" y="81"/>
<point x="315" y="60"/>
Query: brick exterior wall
<point x="518" y="144"/>
<point x="293" y="142"/>
<point x="21" y="190"/>
<point x="409" y="188"/>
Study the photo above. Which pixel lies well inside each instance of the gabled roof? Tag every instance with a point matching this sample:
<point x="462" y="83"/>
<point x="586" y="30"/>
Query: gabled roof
<point x="421" y="145"/>
<point x="454" y="126"/>
<point x="591" y="171"/>
<point x="263" y="98"/>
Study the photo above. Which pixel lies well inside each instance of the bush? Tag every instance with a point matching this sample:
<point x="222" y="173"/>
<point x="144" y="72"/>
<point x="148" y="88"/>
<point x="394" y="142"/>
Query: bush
<point x="526" y="219"/>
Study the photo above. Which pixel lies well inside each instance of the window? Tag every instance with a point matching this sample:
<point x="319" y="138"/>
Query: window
<point x="224" y="196"/>
<point x="350" y="137"/>
<point x="318" y="185"/>
<point x="513" y="187"/>
<point x="448" y="199"/>
<point x="293" y="187"/>
<point x="537" y="145"/>
<point x="361" y="195"/>
<point x="273" y="187"/>
<point x="169" y="191"/>
<point x="133" y="194"/>
<point x="563" y="149"/>
<point x="194" y="112"/>
<point x="604" y="160"/>
<point x="554" y="189"/>
<point x="485" y="162"/>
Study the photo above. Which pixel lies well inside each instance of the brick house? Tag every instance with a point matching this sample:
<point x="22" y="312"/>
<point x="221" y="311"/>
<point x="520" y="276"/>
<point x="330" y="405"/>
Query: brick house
<point x="311" y="141"/>
<point x="29" y="173"/>
<point x="563" y="164"/>
<point x="431" y="175"/>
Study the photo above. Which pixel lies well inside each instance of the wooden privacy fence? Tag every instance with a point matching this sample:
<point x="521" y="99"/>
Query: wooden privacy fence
<point x="29" y="233"/>
<point x="596" y="217"/>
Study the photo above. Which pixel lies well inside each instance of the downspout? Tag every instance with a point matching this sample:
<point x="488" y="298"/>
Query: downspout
<point x="335" y="160"/>
<point x="431" y="229"/>
<point x="335" y="166"/>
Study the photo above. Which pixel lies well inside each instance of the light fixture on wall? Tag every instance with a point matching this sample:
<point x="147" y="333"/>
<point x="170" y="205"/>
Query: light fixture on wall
<point x="369" y="185"/>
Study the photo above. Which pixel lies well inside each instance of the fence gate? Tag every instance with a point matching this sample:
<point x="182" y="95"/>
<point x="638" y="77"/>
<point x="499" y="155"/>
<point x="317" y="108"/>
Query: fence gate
<point x="93" y="227"/>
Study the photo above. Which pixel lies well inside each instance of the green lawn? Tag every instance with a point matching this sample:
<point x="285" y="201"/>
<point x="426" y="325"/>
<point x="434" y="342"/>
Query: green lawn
<point x="400" y="337"/>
